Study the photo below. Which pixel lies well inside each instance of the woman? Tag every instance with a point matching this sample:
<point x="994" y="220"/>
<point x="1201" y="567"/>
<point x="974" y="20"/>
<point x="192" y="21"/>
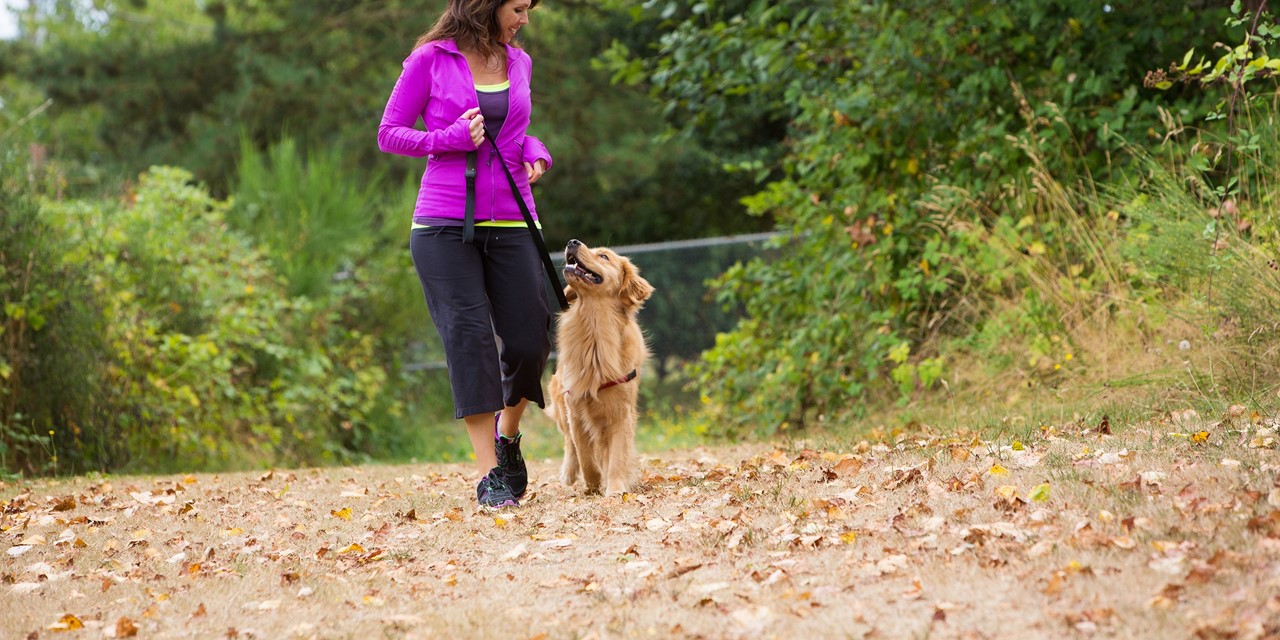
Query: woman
<point x="466" y="78"/>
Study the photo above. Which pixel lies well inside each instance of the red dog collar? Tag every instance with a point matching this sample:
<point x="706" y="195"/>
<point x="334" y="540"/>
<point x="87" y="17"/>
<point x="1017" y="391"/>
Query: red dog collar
<point x="628" y="378"/>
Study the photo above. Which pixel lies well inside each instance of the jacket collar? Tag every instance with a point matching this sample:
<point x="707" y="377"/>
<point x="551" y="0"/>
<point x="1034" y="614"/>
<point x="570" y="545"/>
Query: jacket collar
<point x="452" y="47"/>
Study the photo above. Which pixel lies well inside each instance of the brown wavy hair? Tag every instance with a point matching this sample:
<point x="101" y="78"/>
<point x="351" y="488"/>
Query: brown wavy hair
<point x="473" y="24"/>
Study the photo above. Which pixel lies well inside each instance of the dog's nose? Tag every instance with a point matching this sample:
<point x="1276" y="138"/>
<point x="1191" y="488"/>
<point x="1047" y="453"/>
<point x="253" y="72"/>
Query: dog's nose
<point x="574" y="243"/>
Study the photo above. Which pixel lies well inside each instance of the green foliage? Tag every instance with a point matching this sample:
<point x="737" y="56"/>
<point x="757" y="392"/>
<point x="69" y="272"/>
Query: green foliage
<point x="205" y="360"/>
<point x="1244" y="79"/>
<point x="959" y="187"/>
<point x="49" y="344"/>
<point x="310" y="219"/>
<point x="138" y="85"/>
<point x="891" y="110"/>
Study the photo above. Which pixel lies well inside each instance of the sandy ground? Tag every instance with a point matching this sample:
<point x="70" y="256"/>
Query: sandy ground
<point x="1164" y="530"/>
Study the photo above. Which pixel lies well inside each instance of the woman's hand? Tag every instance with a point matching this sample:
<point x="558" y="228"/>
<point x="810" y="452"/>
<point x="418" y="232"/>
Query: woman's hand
<point x="535" y="170"/>
<point x="476" y="125"/>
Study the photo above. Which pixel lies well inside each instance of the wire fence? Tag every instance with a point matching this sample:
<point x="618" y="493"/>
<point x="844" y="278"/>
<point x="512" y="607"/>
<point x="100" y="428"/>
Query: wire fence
<point x="681" y="319"/>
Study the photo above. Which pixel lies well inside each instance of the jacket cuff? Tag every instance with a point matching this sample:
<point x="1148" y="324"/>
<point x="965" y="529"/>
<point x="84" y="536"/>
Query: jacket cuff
<point x="534" y="150"/>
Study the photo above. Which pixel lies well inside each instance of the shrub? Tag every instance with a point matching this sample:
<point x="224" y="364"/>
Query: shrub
<point x="50" y="346"/>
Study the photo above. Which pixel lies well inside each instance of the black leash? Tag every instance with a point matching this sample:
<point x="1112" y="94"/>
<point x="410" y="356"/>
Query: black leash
<point x="468" y="229"/>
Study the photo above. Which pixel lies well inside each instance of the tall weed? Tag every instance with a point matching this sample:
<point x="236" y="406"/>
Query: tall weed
<point x="1083" y="286"/>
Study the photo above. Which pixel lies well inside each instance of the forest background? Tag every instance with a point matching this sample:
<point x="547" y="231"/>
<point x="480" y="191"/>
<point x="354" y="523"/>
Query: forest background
<point x="985" y="212"/>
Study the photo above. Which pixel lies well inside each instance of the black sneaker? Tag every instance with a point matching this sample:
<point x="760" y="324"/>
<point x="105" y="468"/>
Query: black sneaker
<point x="494" y="493"/>
<point x="510" y="462"/>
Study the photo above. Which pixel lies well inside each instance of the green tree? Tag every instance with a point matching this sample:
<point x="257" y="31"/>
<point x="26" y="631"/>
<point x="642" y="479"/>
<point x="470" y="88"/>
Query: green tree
<point x="139" y="84"/>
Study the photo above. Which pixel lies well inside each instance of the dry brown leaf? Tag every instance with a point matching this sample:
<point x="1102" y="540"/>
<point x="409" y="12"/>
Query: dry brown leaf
<point x="125" y="628"/>
<point x="847" y="467"/>
<point x="901" y="476"/>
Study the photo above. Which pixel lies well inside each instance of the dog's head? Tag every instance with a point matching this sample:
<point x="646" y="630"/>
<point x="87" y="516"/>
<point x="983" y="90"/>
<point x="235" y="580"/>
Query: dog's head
<point x="601" y="273"/>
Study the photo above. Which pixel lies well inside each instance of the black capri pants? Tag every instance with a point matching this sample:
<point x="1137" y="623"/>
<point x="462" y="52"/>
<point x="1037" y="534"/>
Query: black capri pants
<point x="488" y="304"/>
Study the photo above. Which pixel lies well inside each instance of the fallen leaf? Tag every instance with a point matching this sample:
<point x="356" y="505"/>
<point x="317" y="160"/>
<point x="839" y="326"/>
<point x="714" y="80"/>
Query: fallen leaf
<point x="891" y="564"/>
<point x="342" y="514"/>
<point x="1171" y="565"/>
<point x="125" y="628"/>
<point x="1123" y="542"/>
<point x="67" y="622"/>
<point x="847" y="467"/>
<point x="1039" y="493"/>
<point x="1264" y="439"/>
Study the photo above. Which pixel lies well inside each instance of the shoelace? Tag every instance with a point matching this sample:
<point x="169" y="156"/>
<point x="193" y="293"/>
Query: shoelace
<point x="508" y="452"/>
<point x="491" y="485"/>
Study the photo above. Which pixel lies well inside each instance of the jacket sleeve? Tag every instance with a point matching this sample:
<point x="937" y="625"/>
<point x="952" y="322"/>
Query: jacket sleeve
<point x="534" y="150"/>
<point x="408" y="101"/>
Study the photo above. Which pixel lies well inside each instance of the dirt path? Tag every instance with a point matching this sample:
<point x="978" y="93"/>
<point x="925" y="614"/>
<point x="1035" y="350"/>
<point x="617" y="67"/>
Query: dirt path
<point x="1165" y="530"/>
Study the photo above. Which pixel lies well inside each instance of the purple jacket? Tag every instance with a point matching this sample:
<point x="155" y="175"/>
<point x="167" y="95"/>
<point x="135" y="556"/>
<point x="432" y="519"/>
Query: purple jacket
<point x="437" y="86"/>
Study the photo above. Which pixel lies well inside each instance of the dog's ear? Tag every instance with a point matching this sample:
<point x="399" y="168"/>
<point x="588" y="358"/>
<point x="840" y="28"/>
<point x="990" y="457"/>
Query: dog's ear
<point x="635" y="289"/>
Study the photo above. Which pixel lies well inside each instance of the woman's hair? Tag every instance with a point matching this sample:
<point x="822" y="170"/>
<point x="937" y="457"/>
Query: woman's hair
<point x="473" y="24"/>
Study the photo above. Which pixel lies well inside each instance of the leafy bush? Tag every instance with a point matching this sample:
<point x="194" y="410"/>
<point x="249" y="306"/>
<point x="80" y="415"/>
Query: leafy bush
<point x="894" y="113"/>
<point x="49" y="340"/>
<point x="207" y="362"/>
<point x="342" y="241"/>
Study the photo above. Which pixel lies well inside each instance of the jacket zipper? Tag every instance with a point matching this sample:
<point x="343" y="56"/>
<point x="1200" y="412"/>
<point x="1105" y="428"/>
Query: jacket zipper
<point x="493" y="188"/>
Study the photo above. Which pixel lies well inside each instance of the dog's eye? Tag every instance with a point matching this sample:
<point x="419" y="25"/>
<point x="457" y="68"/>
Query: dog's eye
<point x="603" y="256"/>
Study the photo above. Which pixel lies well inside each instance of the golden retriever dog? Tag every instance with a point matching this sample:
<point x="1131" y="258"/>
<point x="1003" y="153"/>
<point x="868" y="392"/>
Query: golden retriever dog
<point x="592" y="395"/>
